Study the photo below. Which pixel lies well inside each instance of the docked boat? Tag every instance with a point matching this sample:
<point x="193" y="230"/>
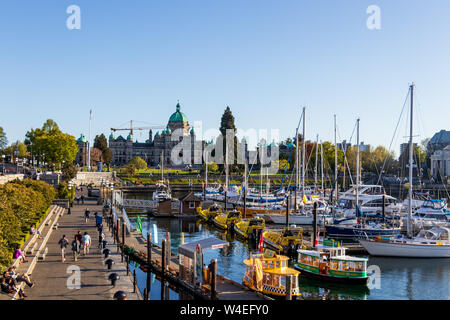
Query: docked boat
<point x="162" y="192"/>
<point x="431" y="211"/>
<point x="287" y="240"/>
<point x="210" y="213"/>
<point x="249" y="227"/>
<point x="226" y="220"/>
<point x="329" y="262"/>
<point x="429" y="243"/>
<point x="266" y="273"/>
<point x="294" y="218"/>
<point x="362" y="230"/>
<point x="432" y="243"/>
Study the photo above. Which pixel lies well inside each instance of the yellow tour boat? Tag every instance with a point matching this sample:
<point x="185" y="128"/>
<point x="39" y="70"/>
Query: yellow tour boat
<point x="210" y="213"/>
<point x="227" y="219"/>
<point x="267" y="273"/>
<point x="289" y="239"/>
<point x="246" y="227"/>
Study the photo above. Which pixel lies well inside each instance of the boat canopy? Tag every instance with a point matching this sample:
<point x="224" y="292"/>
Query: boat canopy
<point x="434" y="203"/>
<point x="188" y="249"/>
<point x="438" y="233"/>
<point x="349" y="258"/>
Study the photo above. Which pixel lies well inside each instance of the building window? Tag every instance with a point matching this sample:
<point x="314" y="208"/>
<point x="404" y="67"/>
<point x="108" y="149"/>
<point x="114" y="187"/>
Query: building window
<point x="191" y="205"/>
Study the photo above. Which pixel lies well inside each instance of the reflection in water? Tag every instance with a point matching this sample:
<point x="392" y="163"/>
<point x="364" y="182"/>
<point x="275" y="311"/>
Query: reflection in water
<point x="400" y="278"/>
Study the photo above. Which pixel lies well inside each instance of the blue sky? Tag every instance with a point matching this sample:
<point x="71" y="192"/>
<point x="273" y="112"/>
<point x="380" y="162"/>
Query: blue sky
<point x="132" y="60"/>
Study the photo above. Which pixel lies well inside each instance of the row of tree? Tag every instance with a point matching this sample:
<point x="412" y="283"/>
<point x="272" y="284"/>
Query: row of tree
<point x="22" y="205"/>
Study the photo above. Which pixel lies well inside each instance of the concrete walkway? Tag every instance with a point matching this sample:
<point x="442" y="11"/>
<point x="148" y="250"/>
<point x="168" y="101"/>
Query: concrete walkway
<point x="55" y="280"/>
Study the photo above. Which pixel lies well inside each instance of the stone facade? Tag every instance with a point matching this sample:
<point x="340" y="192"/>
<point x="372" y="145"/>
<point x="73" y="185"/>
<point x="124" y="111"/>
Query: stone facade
<point x="440" y="163"/>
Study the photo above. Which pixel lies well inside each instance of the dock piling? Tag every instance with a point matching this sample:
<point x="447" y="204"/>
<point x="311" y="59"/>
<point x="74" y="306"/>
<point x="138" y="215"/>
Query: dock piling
<point x="213" y="279"/>
<point x="149" y="259"/>
<point x="289" y="287"/>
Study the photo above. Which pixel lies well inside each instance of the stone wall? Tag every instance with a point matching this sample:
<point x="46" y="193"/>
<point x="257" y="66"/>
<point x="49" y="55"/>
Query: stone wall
<point x="93" y="177"/>
<point x="9" y="177"/>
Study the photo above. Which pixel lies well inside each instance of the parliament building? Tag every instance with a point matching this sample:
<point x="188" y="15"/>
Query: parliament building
<point x="123" y="150"/>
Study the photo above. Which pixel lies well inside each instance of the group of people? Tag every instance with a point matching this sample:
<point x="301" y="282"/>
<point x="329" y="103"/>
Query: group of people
<point x="80" y="241"/>
<point x="11" y="280"/>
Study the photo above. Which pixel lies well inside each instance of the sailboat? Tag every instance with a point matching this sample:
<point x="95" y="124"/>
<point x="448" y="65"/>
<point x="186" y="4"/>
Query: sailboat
<point x="356" y="230"/>
<point x="432" y="243"/>
<point x="162" y="191"/>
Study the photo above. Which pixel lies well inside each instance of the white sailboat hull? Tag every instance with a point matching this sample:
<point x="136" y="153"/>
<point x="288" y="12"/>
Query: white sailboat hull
<point x="390" y="249"/>
<point x="293" y="219"/>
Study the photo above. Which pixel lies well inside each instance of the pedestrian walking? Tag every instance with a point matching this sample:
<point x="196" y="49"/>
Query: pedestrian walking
<point x="86" y="243"/>
<point x="63" y="244"/>
<point x="98" y="220"/>
<point x="82" y="199"/>
<point x="76" y="244"/>
<point x="86" y="214"/>
<point x="79" y="238"/>
<point x="68" y="210"/>
<point x="101" y="237"/>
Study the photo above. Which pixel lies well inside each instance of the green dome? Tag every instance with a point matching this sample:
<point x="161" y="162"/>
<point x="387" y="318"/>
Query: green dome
<point x="81" y="139"/>
<point x="157" y="133"/>
<point x="168" y="131"/>
<point x="192" y="131"/>
<point x="129" y="137"/>
<point x="178" y="116"/>
<point x="111" y="136"/>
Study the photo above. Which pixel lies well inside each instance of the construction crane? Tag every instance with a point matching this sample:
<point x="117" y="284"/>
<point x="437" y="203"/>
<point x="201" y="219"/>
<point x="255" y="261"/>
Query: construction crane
<point x="139" y="128"/>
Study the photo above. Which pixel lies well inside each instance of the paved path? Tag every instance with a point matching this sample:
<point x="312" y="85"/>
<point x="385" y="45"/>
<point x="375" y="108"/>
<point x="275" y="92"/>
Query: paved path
<point x="52" y="276"/>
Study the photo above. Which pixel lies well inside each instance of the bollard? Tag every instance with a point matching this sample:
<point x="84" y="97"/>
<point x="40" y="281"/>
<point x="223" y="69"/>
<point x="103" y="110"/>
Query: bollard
<point x="134" y="280"/>
<point x="120" y="295"/>
<point x="109" y="263"/>
<point x="106" y="252"/>
<point x="127" y="259"/>
<point x="113" y="277"/>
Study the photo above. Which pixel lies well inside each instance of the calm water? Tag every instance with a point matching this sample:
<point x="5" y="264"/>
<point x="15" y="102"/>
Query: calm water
<point x="406" y="279"/>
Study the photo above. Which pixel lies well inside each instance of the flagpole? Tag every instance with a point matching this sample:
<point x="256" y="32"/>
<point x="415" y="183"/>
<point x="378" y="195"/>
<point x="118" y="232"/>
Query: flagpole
<point x="89" y="143"/>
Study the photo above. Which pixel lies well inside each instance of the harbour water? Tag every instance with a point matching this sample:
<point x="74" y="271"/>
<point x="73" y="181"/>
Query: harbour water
<point x="400" y="279"/>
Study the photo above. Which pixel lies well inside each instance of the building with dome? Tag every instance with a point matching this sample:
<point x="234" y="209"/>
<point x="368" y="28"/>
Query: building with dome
<point x="124" y="149"/>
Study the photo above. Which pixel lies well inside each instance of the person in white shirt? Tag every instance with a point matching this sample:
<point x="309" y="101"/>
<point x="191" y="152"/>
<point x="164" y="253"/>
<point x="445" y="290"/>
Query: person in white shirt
<point x="86" y="243"/>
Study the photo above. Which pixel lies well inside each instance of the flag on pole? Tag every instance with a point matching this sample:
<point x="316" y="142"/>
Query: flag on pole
<point x="90" y="114"/>
<point x="138" y="225"/>
<point x="260" y="245"/>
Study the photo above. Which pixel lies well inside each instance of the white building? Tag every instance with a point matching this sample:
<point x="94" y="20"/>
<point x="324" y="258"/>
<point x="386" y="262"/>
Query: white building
<point x="440" y="163"/>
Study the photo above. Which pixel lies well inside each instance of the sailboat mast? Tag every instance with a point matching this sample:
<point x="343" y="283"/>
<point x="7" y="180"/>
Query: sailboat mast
<point x="411" y="147"/>
<point x="296" y="168"/>
<point x="206" y="170"/>
<point x="162" y="166"/>
<point x="335" y="163"/>
<point x="303" y="158"/>
<point x="357" y="165"/>
<point x="321" y="165"/>
<point x="315" y="168"/>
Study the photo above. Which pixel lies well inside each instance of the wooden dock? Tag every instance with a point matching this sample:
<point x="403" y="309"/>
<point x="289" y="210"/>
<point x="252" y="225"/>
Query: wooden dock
<point x="135" y="245"/>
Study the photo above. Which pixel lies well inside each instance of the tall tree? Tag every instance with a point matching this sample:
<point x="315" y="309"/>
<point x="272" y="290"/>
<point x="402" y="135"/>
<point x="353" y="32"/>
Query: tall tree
<point x="101" y="143"/>
<point x="227" y="122"/>
<point x="3" y="139"/>
<point x="50" y="145"/>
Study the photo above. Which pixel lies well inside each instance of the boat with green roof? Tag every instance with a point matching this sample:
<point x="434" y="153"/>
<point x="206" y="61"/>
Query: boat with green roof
<point x="329" y="262"/>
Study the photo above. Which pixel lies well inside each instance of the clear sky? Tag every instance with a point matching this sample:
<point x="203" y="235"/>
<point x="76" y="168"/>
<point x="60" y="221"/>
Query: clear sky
<point x="132" y="60"/>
